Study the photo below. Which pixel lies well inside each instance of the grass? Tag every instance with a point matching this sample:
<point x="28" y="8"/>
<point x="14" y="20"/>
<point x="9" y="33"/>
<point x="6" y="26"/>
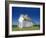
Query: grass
<point x="34" y="27"/>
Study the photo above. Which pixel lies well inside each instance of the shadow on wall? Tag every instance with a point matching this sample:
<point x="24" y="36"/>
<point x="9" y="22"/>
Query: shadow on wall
<point x="13" y="37"/>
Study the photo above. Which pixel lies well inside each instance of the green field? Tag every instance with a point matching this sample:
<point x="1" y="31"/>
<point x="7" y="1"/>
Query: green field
<point x="34" y="27"/>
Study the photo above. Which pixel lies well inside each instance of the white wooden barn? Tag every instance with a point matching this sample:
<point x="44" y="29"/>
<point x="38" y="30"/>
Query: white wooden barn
<point x="24" y="21"/>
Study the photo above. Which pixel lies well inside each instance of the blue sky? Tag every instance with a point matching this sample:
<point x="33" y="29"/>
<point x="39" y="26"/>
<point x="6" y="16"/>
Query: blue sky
<point x="33" y="13"/>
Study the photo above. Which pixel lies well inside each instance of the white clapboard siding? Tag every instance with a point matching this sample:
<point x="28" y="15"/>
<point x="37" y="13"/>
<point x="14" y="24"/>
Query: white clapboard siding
<point x="27" y="24"/>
